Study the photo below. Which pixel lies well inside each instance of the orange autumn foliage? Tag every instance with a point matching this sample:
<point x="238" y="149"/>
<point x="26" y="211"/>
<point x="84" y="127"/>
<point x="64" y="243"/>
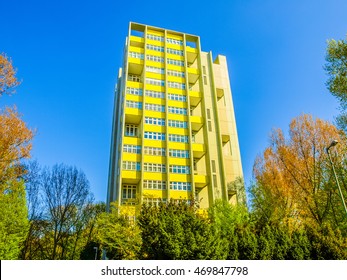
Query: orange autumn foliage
<point x="15" y="144"/>
<point x="8" y="80"/>
<point x="294" y="181"/>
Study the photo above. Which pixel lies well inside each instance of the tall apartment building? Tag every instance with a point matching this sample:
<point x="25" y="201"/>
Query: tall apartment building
<point x="174" y="131"/>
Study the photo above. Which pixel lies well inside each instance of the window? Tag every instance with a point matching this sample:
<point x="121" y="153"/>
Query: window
<point x="154" y="201"/>
<point x="215" y="180"/>
<point x="155" y="48"/>
<point x="174" y="51"/>
<point x="134" y="91"/>
<point x="155" y="107"/>
<point x="175" y="73"/>
<point x="195" y="161"/>
<point x="133" y="104"/>
<point x="129" y="194"/>
<point x="179" y="153"/>
<point x="134" y="78"/>
<point x="136" y="55"/>
<point x="154" y="184"/>
<point x="178" y="138"/>
<point x="155" y="121"/>
<point x="155" y="37"/>
<point x="132" y="149"/>
<point x="155" y="70"/>
<point x="177" y="97"/>
<point x="154" y="167"/>
<point x="155" y="58"/>
<point x="208" y="113"/>
<point x="180" y="169"/>
<point x="155" y="94"/>
<point x="154" y="135"/>
<point x="154" y="151"/>
<point x="205" y="80"/>
<point x="204" y="70"/>
<point x="131" y="130"/>
<point x="155" y="82"/>
<point x="209" y="124"/>
<point x="174" y="41"/>
<point x="176" y="85"/>
<point x="131" y="165"/>
<point x="177" y="110"/>
<point x="181" y="186"/>
<point x="175" y="62"/>
<point x="213" y="163"/>
<point x="178" y="124"/>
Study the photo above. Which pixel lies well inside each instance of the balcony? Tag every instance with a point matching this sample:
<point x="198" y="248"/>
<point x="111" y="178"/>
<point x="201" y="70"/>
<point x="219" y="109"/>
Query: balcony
<point x="193" y="75"/>
<point x="194" y="98"/>
<point x="130" y="176"/>
<point x="136" y="41"/>
<point x="198" y="150"/>
<point x="135" y="65"/>
<point x="200" y="180"/>
<point x="196" y="122"/>
<point x="192" y="54"/>
<point x="220" y="92"/>
<point x="133" y="115"/>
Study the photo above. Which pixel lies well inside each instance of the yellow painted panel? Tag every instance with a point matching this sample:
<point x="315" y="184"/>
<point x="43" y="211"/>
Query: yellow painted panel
<point x="178" y="117"/>
<point x="155" y="64"/>
<point x="180" y="194"/>
<point x="156" y="53"/>
<point x="178" y="146"/>
<point x="134" y="84"/>
<point x="153" y="143"/>
<point x="175" y="56"/>
<point x="136" y="49"/>
<point x="131" y="140"/>
<point x="131" y="157"/>
<point x="174" y="46"/>
<point x="177" y="91"/>
<point x="137" y="39"/>
<point x="131" y="174"/>
<point x="160" y="101"/>
<point x="133" y="97"/>
<point x="191" y="50"/>
<point x="175" y="103"/>
<point x="154" y="193"/>
<point x="193" y="71"/>
<point x="179" y="161"/>
<point x="154" y="42"/>
<point x="180" y="177"/>
<point x="135" y="60"/>
<point x="154" y="159"/>
<point x="133" y="111"/>
<point x="155" y="76"/>
<point x="175" y="67"/>
<point x="154" y="176"/>
<point x="154" y="128"/>
<point x="176" y="79"/>
<point x="155" y="32"/>
<point x="153" y="114"/>
<point x="178" y="131"/>
<point x="156" y="88"/>
<point x="175" y="36"/>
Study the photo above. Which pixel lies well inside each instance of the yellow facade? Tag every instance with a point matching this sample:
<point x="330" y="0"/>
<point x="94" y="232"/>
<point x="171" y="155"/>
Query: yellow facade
<point x="174" y="132"/>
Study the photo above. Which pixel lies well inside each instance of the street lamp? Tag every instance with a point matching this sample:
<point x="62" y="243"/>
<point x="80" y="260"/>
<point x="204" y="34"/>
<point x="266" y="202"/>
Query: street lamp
<point x="96" y="252"/>
<point x="332" y="144"/>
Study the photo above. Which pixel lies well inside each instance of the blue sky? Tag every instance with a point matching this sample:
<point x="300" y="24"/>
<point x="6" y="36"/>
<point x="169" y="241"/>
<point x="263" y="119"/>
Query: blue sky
<point x="68" y="54"/>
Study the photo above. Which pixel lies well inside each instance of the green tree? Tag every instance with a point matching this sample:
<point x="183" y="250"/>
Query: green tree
<point x="118" y="235"/>
<point x="13" y="219"/>
<point x="336" y="69"/>
<point x="175" y="231"/>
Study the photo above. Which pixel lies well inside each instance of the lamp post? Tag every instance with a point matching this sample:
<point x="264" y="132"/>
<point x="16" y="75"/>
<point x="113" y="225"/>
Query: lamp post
<point x="332" y="144"/>
<point x="96" y="252"/>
